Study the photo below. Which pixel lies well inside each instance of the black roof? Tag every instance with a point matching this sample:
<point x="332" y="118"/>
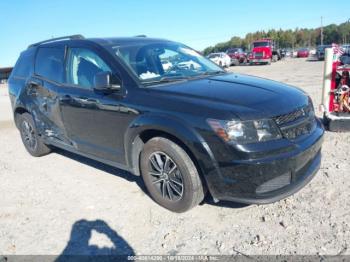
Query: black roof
<point x="105" y="41"/>
<point x="125" y="40"/>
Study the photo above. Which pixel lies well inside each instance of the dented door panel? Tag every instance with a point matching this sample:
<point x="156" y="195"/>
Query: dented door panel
<point x="45" y="107"/>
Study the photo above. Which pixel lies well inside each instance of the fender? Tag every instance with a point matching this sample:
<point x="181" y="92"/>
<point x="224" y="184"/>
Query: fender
<point x="174" y="127"/>
<point x="21" y="104"/>
<point x="18" y="103"/>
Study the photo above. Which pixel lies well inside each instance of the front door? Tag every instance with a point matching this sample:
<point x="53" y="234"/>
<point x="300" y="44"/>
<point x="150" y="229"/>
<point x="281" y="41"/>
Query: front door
<point x="94" y="121"/>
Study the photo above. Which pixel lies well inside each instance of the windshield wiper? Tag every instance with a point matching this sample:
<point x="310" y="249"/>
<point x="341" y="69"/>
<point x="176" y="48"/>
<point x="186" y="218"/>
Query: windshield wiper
<point x="165" y="79"/>
<point x="210" y="73"/>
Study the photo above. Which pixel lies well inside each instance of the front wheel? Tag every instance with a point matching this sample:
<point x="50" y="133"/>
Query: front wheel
<point x="170" y="175"/>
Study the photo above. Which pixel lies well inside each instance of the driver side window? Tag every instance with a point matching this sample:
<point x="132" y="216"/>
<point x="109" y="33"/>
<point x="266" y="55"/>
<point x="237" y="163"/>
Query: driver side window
<point x="82" y="66"/>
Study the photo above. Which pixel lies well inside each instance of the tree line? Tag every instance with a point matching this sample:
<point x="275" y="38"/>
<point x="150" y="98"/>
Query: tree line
<point x="299" y="37"/>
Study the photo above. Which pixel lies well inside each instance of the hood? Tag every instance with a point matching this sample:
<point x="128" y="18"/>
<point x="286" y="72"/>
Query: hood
<point x="248" y="97"/>
<point x="261" y="49"/>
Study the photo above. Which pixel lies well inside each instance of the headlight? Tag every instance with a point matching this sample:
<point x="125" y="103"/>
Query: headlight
<point x="244" y="132"/>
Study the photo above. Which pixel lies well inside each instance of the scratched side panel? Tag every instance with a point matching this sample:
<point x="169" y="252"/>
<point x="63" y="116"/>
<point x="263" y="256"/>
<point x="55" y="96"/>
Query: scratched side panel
<point x="46" y="110"/>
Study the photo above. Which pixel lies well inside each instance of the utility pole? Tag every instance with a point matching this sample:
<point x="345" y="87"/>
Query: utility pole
<point x="345" y="31"/>
<point x="321" y="30"/>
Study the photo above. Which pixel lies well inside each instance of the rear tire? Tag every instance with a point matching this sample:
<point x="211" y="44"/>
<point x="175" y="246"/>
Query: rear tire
<point x="30" y="138"/>
<point x="170" y="176"/>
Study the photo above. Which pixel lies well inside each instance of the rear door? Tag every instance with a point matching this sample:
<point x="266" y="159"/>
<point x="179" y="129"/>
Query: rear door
<point x="43" y="88"/>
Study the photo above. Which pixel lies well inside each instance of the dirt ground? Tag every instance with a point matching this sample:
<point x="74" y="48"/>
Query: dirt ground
<point x="66" y="204"/>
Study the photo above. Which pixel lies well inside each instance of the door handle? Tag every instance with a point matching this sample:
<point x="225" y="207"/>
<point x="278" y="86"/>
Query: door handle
<point x="85" y="100"/>
<point x="35" y="82"/>
<point x="65" y="98"/>
<point x="32" y="85"/>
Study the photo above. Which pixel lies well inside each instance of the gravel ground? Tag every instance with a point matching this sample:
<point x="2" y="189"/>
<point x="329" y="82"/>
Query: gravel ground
<point x="64" y="204"/>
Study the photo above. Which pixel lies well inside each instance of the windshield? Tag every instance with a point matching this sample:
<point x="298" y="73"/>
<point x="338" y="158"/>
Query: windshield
<point x="232" y="50"/>
<point x="213" y="55"/>
<point x="164" y="62"/>
<point x="261" y="44"/>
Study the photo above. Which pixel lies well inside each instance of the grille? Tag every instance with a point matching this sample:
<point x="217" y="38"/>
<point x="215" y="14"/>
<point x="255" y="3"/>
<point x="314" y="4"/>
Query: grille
<point x="284" y="119"/>
<point x="275" y="183"/>
<point x="299" y="122"/>
<point x="258" y="54"/>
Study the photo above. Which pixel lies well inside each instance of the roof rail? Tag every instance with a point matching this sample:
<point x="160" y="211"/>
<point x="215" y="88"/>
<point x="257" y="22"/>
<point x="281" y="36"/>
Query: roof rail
<point x="70" y="37"/>
<point x="140" y="36"/>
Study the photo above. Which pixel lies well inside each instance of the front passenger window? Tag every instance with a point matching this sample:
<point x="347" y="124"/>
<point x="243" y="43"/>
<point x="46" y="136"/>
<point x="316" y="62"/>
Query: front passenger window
<point x="83" y="64"/>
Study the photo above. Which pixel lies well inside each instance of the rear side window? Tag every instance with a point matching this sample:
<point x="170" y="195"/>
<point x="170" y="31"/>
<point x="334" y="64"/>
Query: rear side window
<point x="24" y="65"/>
<point x="49" y="63"/>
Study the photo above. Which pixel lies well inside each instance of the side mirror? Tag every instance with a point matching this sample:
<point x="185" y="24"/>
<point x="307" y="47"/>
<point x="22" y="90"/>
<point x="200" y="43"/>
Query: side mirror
<point x="106" y="82"/>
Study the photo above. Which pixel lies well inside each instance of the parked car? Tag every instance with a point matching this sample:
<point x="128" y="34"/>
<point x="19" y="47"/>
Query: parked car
<point x="303" y="52"/>
<point x="190" y="64"/>
<point x="312" y="51"/>
<point x="248" y="55"/>
<point x="346" y="48"/>
<point x="166" y="64"/>
<point x="320" y="51"/>
<point x="345" y="59"/>
<point x="221" y="59"/>
<point x="237" y="54"/>
<point x="185" y="132"/>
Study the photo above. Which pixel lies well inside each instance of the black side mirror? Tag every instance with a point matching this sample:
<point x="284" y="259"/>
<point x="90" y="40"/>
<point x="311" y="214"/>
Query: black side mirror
<point x="106" y="82"/>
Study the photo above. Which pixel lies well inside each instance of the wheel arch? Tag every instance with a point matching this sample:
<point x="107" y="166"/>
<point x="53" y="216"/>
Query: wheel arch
<point x="193" y="144"/>
<point x="19" y="110"/>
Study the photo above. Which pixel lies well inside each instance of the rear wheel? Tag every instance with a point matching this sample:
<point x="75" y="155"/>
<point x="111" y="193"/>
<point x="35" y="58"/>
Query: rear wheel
<point x="30" y="138"/>
<point x="170" y="176"/>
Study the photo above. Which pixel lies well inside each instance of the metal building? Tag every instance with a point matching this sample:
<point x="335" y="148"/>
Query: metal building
<point x="5" y="74"/>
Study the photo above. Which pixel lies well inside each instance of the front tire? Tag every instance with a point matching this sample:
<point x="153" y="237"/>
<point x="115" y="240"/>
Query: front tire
<point x="30" y="138"/>
<point x="170" y="175"/>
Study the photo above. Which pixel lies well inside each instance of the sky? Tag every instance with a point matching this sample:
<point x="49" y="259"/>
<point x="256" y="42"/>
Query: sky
<point x="193" y="22"/>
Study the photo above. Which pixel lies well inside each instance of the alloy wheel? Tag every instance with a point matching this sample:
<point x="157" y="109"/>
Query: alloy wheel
<point x="166" y="175"/>
<point x="28" y="134"/>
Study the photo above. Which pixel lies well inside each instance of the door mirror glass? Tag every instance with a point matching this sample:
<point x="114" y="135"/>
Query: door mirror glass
<point x="106" y="81"/>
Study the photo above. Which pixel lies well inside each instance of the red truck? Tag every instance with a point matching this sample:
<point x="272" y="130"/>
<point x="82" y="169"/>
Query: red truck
<point x="263" y="52"/>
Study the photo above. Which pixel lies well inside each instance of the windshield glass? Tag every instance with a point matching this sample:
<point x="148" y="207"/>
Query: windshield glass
<point x="164" y="62"/>
<point x="232" y="50"/>
<point x="261" y="44"/>
<point x="213" y="55"/>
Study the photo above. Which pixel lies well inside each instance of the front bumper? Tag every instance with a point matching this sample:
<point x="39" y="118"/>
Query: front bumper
<point x="259" y="60"/>
<point x="271" y="177"/>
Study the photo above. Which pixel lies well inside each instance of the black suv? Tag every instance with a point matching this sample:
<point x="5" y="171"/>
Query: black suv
<point x="185" y="125"/>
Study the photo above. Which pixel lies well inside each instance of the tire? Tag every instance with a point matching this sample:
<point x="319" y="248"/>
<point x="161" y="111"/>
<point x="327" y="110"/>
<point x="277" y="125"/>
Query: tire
<point x="274" y="58"/>
<point x="186" y="192"/>
<point x="30" y="138"/>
